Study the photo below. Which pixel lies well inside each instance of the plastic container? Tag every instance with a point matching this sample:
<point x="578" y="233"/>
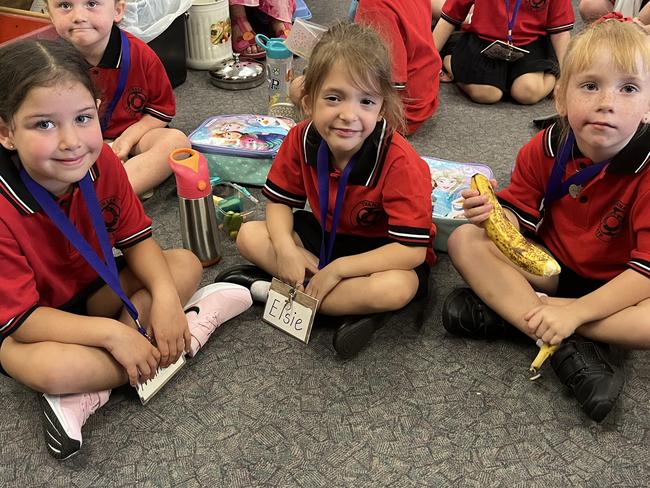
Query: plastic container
<point x="302" y="11"/>
<point x="449" y="178"/>
<point x="303" y="37"/>
<point x="234" y="206"/>
<point x="15" y="26"/>
<point x="240" y="148"/>
<point x="208" y="34"/>
<point x="279" y="70"/>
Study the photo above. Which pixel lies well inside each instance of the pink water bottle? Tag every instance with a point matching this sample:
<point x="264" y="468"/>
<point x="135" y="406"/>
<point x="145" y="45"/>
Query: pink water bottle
<point x="199" y="229"/>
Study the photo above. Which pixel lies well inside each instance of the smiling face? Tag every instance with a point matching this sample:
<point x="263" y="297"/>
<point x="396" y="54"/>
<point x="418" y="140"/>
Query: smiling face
<point x="343" y="114"/>
<point x="86" y="23"/>
<point x="56" y="133"/>
<point x="604" y="105"/>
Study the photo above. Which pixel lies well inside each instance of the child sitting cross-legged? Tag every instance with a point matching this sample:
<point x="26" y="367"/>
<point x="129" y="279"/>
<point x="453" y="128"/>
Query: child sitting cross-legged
<point x="376" y="202"/>
<point x="74" y="321"/>
<point x="580" y="189"/>
<point x="137" y="98"/>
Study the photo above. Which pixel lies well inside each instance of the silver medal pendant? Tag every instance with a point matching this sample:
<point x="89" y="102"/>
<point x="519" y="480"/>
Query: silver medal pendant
<point x="574" y="190"/>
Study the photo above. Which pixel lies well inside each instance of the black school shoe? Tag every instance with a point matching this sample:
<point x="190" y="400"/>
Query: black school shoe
<point x="243" y="274"/>
<point x="465" y="315"/>
<point x="584" y="367"/>
<point x="356" y="331"/>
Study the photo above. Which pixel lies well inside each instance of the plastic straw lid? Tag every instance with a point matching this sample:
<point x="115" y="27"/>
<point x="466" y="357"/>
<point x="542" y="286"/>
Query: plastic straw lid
<point x="192" y="173"/>
<point x="275" y="48"/>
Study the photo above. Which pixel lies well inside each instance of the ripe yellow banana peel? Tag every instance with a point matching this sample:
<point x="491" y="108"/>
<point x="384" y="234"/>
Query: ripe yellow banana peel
<point x="509" y="240"/>
<point x="545" y="352"/>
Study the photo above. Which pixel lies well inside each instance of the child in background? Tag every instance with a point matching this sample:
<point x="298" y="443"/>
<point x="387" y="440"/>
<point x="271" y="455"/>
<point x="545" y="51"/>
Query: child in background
<point x="135" y="113"/>
<point x="594" y="196"/>
<point x="541" y="28"/>
<point x="591" y="10"/>
<point x="382" y="250"/>
<point x="406" y="28"/>
<point x="64" y="332"/>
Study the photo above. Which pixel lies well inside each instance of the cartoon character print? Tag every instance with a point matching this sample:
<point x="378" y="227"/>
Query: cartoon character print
<point x="445" y="196"/>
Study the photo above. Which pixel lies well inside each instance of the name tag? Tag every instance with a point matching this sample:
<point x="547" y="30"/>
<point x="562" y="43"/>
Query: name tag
<point x="504" y="51"/>
<point x="290" y="310"/>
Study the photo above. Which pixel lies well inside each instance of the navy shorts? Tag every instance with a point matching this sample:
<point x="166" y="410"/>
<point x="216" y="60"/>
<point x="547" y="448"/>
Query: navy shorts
<point x="470" y="66"/>
<point x="77" y="305"/>
<point x="309" y="231"/>
<point x="572" y="285"/>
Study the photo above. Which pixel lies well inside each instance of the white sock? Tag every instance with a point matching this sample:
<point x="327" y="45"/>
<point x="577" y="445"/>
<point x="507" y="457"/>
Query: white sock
<point x="260" y="290"/>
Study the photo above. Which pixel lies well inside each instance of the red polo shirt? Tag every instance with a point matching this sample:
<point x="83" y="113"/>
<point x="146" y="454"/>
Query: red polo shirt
<point x="536" y="18"/>
<point x="406" y="28"/>
<point x="40" y="267"/>
<point x="603" y="231"/>
<point x="148" y="90"/>
<point x="388" y="192"/>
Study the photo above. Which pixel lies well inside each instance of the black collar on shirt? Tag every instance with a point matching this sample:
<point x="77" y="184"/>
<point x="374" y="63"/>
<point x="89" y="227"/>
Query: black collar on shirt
<point x="12" y="187"/>
<point x="113" y="53"/>
<point x="632" y="159"/>
<point x="372" y="154"/>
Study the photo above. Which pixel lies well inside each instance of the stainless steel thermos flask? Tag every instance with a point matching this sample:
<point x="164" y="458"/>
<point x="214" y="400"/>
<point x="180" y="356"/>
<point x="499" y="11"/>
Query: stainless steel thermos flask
<point x="199" y="229"/>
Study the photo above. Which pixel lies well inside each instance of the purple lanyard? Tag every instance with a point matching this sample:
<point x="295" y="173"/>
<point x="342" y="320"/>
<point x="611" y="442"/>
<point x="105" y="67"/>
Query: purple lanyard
<point x="125" y="63"/>
<point x="322" y="166"/>
<point x="106" y="268"/>
<point x="511" y="20"/>
<point x="555" y="187"/>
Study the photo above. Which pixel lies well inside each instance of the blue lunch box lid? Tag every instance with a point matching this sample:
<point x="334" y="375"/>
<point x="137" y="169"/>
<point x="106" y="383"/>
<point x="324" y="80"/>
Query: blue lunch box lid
<point x="245" y="135"/>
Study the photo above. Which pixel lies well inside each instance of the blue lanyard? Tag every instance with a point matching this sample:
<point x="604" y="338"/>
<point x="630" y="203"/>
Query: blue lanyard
<point x="125" y="63"/>
<point x="511" y="20"/>
<point x="106" y="268"/>
<point x="322" y="166"/>
<point x="555" y="187"/>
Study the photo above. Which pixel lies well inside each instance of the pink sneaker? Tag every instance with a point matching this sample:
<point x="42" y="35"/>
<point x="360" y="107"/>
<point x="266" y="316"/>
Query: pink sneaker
<point x="210" y="307"/>
<point x="63" y="417"/>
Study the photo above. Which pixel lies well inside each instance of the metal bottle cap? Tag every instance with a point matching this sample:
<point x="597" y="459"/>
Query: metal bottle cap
<point x="234" y="74"/>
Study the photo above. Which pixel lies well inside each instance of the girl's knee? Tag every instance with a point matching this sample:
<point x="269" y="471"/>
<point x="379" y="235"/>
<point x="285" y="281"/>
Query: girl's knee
<point x="530" y="88"/>
<point x="182" y="262"/>
<point x="249" y="237"/>
<point x="487" y="94"/>
<point x="461" y="237"/>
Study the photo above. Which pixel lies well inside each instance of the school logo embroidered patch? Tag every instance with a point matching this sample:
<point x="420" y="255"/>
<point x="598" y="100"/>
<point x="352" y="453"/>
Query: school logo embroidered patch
<point x="110" y="213"/>
<point x="536" y="4"/>
<point x="612" y="222"/>
<point x="135" y="100"/>
<point x="368" y="214"/>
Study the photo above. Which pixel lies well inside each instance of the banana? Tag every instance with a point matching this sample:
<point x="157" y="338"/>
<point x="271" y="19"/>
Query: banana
<point x="509" y="241"/>
<point x="545" y="352"/>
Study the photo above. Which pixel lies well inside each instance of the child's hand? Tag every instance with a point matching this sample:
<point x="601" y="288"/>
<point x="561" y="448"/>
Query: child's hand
<point x="135" y="353"/>
<point x="122" y="148"/>
<point x="169" y="326"/>
<point x="324" y="281"/>
<point x="551" y="323"/>
<point x="292" y="265"/>
<point x="475" y="206"/>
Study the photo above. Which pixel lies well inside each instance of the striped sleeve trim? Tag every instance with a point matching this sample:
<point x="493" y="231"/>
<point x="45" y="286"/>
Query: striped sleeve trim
<point x="559" y="28"/>
<point x="134" y="238"/>
<point x="640" y="265"/>
<point x="410" y="236"/>
<point x="14" y="323"/>
<point x="451" y="20"/>
<point x="158" y="114"/>
<point x="528" y="221"/>
<point x="277" y="195"/>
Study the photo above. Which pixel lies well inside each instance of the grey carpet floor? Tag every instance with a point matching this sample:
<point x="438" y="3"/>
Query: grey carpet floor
<point x="416" y="408"/>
